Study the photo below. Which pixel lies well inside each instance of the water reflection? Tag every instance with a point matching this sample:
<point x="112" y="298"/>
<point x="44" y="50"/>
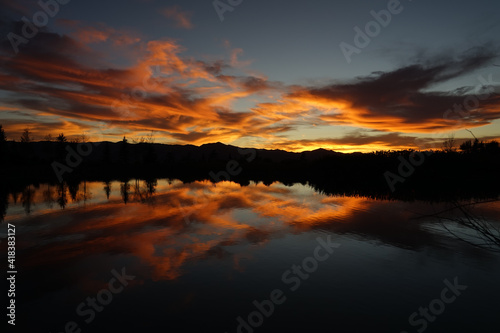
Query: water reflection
<point x="186" y="240"/>
<point x="107" y="189"/>
<point x="4" y="204"/>
<point x="27" y="198"/>
<point x="206" y="218"/>
<point x="40" y="199"/>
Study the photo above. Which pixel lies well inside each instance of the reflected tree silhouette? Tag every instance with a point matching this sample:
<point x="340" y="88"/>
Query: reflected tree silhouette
<point x="62" y="195"/>
<point x="151" y="189"/>
<point x="3" y="141"/>
<point x="73" y="191"/>
<point x="79" y="192"/>
<point x="151" y="186"/>
<point x="15" y="195"/>
<point x="4" y="204"/>
<point x="107" y="189"/>
<point x="143" y="191"/>
<point x="27" y="198"/>
<point x="125" y="191"/>
<point x="137" y="194"/>
<point x="85" y="193"/>
<point x="471" y="227"/>
<point x="49" y="196"/>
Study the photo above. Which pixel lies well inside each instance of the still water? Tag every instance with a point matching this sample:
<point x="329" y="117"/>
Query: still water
<point x="164" y="256"/>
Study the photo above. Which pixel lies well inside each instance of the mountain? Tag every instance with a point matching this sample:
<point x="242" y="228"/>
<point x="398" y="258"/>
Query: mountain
<point x="388" y="174"/>
<point x="49" y="151"/>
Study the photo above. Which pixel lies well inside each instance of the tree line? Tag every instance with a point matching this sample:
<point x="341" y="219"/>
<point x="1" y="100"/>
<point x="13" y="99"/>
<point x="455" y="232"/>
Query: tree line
<point x="466" y="169"/>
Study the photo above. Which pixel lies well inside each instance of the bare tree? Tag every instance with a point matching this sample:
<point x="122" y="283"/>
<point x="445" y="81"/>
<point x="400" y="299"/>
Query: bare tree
<point x="150" y="138"/>
<point x="449" y="144"/>
<point x="139" y="140"/>
<point x="26" y="136"/>
<point x="84" y="138"/>
<point x="147" y="139"/>
<point x="471" y="133"/>
<point x="472" y="229"/>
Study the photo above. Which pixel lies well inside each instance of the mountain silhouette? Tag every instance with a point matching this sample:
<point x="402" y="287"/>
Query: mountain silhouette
<point x="405" y="174"/>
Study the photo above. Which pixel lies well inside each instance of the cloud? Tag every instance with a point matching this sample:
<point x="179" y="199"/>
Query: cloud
<point x="187" y="100"/>
<point x="181" y="18"/>
<point x="183" y="99"/>
<point x="235" y="62"/>
<point x="402" y="100"/>
<point x="100" y="33"/>
<point x="363" y="142"/>
<point x="92" y="35"/>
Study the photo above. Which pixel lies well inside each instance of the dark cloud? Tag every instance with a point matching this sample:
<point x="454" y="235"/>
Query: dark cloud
<point x="403" y="99"/>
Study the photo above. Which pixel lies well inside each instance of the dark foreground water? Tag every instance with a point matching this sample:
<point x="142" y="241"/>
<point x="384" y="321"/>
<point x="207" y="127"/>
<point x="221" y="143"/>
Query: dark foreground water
<point x="171" y="257"/>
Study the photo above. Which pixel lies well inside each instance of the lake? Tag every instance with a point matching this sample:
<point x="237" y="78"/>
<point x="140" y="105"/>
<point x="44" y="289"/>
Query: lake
<point x="168" y="256"/>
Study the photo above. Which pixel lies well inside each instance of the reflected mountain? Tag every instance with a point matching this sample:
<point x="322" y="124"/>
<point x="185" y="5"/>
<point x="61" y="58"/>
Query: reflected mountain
<point x="403" y="175"/>
<point x="232" y="209"/>
<point x="185" y="240"/>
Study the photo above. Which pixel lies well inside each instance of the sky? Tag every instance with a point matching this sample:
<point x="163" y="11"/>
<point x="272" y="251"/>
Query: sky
<point x="293" y="75"/>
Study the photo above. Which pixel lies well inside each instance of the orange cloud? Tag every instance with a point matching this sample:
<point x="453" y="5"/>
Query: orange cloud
<point x="396" y="101"/>
<point x="186" y="100"/>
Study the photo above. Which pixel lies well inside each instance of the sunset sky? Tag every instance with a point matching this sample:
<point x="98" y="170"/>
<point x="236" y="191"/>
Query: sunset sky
<point x="266" y="74"/>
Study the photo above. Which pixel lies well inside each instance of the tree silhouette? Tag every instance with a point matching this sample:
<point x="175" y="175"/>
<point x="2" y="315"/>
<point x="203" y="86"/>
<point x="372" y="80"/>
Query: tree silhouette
<point x="477" y="231"/>
<point x="492" y="146"/>
<point x="107" y="189"/>
<point x="61" y="138"/>
<point x="3" y="138"/>
<point x="138" y="194"/>
<point x="62" y="198"/>
<point x="449" y="145"/>
<point x="466" y="146"/>
<point x="82" y="138"/>
<point x="151" y="186"/>
<point x="475" y="146"/>
<point x="27" y="198"/>
<point x="478" y="145"/>
<point x="49" y="196"/>
<point x="73" y="189"/>
<point x="61" y="143"/>
<point x="124" y="150"/>
<point x="85" y="192"/>
<point x="26" y="136"/>
<point x="125" y="191"/>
